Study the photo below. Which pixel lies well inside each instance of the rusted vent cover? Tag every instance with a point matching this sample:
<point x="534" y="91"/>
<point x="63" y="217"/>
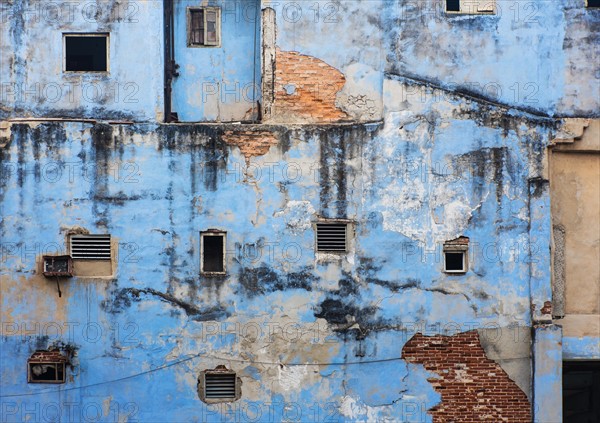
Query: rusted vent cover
<point x="331" y="236"/>
<point x="219" y="385"/>
<point x="58" y="266"/>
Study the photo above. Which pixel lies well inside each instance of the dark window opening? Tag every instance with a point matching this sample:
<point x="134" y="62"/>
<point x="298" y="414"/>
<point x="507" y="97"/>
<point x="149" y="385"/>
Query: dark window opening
<point x="593" y="3"/>
<point x="453" y="5"/>
<point x="581" y="390"/>
<point x="197" y="27"/>
<point x="46" y="372"/>
<point x="213" y="255"/>
<point x="332" y="237"/>
<point x="219" y="386"/>
<point x="86" y="53"/>
<point x="454" y="261"/>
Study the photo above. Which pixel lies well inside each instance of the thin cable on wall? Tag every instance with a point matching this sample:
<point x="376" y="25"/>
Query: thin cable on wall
<point x="175" y="363"/>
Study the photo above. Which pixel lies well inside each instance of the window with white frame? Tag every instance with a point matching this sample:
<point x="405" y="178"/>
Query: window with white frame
<point x="203" y="27"/>
<point x="473" y="7"/>
<point x="456" y="255"/>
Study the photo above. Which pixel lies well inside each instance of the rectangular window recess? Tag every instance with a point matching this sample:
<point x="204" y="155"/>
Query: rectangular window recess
<point x="212" y="250"/>
<point x="332" y="237"/>
<point x="46" y="372"/>
<point x="90" y="247"/>
<point x="86" y="52"/>
<point x="592" y="3"/>
<point x="219" y="385"/>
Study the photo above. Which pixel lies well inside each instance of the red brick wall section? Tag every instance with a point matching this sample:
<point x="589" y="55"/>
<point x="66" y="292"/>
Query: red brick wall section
<point x="250" y="143"/>
<point x="473" y="387"/>
<point x="306" y="88"/>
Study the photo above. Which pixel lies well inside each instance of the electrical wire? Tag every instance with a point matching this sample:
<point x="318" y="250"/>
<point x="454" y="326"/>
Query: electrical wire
<point x="175" y="363"/>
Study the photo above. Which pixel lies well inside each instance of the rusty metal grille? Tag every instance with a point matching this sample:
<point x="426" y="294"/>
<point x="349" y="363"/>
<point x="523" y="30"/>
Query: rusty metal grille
<point x="90" y="247"/>
<point x="219" y="385"/>
<point x="331" y="236"/>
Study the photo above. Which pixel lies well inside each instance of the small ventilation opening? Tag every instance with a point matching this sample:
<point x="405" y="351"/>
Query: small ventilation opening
<point x="90" y="247"/>
<point x="219" y="386"/>
<point x="454" y="261"/>
<point x="213" y="254"/>
<point x="332" y="237"/>
<point x="86" y="53"/>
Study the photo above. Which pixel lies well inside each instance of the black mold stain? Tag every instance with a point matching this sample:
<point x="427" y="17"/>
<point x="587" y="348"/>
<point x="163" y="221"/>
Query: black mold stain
<point x="124" y="298"/>
<point x="337" y="146"/>
<point x="538" y="186"/>
<point x="263" y="280"/>
<point x="338" y="312"/>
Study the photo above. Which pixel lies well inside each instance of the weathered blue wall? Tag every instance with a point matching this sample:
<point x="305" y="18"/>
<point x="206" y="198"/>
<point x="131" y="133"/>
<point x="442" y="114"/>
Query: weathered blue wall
<point x="174" y="181"/>
<point x="32" y="81"/>
<point x="219" y="83"/>
<point x="314" y="337"/>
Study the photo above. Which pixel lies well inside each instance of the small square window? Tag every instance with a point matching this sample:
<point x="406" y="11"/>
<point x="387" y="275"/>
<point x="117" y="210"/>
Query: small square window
<point x="203" y="27"/>
<point x="456" y="255"/>
<point x="454" y="262"/>
<point x="86" y="52"/>
<point x="212" y="251"/>
<point x="473" y="7"/>
<point x="592" y="3"/>
<point x="90" y="247"/>
<point x="332" y="237"/>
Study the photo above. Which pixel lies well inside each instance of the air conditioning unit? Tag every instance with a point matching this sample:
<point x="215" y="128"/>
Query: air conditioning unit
<point x="58" y="266"/>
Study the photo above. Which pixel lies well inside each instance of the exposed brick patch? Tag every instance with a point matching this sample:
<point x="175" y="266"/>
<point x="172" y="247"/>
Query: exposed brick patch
<point x="250" y="143"/>
<point x="547" y="308"/>
<point x="47" y="357"/>
<point x="306" y="89"/>
<point x="473" y="387"/>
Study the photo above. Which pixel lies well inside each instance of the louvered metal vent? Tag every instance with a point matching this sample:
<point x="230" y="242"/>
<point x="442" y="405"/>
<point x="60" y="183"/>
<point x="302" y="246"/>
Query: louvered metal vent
<point x="331" y="236"/>
<point x="90" y="247"/>
<point x="219" y="385"/>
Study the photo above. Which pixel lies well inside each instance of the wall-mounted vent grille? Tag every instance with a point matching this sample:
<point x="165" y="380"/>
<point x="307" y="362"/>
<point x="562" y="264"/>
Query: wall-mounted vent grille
<point x="219" y="385"/>
<point x="331" y="236"/>
<point x="90" y="247"/>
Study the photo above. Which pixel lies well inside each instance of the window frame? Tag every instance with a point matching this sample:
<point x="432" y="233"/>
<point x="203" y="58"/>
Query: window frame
<point x="457" y="248"/>
<point x="204" y="9"/>
<point x="65" y="35"/>
<point x="47" y="363"/>
<point x="462" y="11"/>
<point x="213" y="232"/>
